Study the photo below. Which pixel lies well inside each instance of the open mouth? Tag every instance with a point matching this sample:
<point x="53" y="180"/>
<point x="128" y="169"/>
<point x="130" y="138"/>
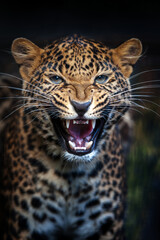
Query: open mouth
<point x="78" y="136"/>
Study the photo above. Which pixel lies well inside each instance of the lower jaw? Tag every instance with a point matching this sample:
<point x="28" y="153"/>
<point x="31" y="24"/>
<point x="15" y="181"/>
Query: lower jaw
<point x="85" y="158"/>
<point x="87" y="148"/>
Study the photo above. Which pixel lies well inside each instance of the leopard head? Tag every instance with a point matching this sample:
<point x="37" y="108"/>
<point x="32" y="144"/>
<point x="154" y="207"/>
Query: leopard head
<point x="86" y="83"/>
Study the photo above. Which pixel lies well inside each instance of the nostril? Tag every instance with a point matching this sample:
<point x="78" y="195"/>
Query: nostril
<point x="81" y="108"/>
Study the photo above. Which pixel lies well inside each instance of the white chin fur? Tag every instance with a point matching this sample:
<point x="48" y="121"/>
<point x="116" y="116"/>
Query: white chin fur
<point x="83" y="159"/>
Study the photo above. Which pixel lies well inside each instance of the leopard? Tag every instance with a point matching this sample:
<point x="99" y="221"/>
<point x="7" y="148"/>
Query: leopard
<point x="64" y="174"/>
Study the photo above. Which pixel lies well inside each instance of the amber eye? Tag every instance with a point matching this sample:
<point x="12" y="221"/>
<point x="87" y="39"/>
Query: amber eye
<point x="101" y="79"/>
<point x="55" y="79"/>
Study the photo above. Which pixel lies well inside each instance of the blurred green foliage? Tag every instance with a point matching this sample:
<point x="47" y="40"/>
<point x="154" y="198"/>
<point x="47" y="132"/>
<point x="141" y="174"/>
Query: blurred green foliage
<point x="143" y="171"/>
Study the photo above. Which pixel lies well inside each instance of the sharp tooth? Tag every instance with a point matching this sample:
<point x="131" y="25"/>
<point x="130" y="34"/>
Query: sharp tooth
<point x="67" y="123"/>
<point x="74" y="122"/>
<point x="72" y="144"/>
<point x="80" y="148"/>
<point x="86" y="122"/>
<point x="88" y="144"/>
<point x="79" y="141"/>
<point x="93" y="123"/>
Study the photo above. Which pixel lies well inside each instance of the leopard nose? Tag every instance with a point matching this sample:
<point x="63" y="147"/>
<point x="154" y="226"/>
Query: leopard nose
<point x="81" y="108"/>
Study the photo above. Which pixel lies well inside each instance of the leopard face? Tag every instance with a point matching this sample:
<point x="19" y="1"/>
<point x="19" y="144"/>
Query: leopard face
<point x="80" y="86"/>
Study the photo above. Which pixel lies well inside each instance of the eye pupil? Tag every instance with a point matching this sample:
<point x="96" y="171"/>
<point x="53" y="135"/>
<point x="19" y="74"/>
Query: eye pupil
<point x="101" y="79"/>
<point x="55" y="79"/>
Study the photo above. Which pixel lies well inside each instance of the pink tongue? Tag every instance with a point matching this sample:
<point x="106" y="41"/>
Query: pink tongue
<point x="80" y="130"/>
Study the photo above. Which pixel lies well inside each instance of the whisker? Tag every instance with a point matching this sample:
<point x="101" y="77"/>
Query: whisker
<point x="28" y="123"/>
<point x="136" y="110"/>
<point x="119" y="113"/>
<point x="145" y="108"/>
<point x="134" y="89"/>
<point x="135" y="98"/>
<point x="23" y="97"/>
<point x="54" y="114"/>
<point x="143" y="72"/>
<point x="146" y="87"/>
<point x="143" y="95"/>
<point x="29" y="105"/>
<point x="20" y="79"/>
<point x="151" y="81"/>
<point x="26" y="90"/>
<point x="139" y="106"/>
<point x="146" y="100"/>
<point x="18" y="107"/>
<point x="122" y="106"/>
<point x="41" y="110"/>
<point x="29" y="111"/>
<point x="11" y="76"/>
<point x="133" y="103"/>
<point x="28" y="83"/>
<point x="8" y="115"/>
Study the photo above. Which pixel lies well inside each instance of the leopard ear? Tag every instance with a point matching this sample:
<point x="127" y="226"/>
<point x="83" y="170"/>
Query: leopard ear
<point x="27" y="54"/>
<point x="126" y="55"/>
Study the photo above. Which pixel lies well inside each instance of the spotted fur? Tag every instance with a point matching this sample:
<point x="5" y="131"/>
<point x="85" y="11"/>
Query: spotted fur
<point x="49" y="192"/>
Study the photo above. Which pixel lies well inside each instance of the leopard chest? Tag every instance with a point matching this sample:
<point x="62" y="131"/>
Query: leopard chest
<point x="73" y="205"/>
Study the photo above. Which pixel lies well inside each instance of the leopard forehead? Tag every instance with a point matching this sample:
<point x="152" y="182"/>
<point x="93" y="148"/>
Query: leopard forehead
<point x="76" y="56"/>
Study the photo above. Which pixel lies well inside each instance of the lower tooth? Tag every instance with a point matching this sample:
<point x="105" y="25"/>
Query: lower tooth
<point x="88" y="144"/>
<point x="72" y="144"/>
<point x="80" y="148"/>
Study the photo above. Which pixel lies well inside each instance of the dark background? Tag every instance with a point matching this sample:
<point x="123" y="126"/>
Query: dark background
<point x="111" y="22"/>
